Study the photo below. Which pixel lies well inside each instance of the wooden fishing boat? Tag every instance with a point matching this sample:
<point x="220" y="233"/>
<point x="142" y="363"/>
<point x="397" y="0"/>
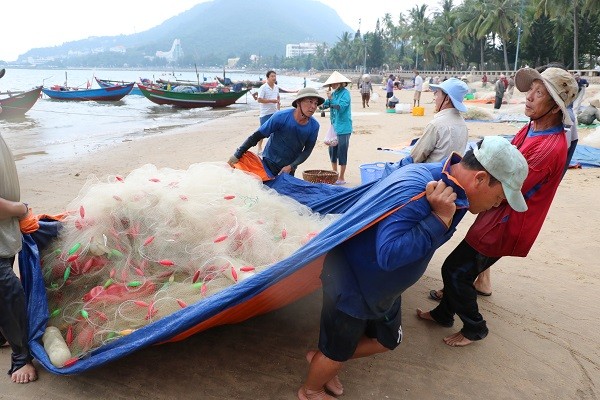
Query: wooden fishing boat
<point x="204" y="86"/>
<point x="247" y="83"/>
<point x="18" y="103"/>
<point x="113" y="93"/>
<point x="183" y="99"/>
<point x="106" y="83"/>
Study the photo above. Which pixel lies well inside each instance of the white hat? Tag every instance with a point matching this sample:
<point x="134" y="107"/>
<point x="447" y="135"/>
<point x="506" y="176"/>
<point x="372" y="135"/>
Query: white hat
<point x="456" y="89"/>
<point x="505" y="163"/>
<point x="560" y="84"/>
<point x="336" y="77"/>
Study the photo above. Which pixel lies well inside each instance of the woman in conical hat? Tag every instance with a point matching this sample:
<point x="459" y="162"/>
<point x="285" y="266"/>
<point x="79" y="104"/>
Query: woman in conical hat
<point x="339" y="101"/>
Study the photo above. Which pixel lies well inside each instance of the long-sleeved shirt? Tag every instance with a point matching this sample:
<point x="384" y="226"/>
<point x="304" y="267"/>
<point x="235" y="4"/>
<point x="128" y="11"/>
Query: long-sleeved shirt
<point x="446" y="133"/>
<point x="501" y="231"/>
<point x="341" y="111"/>
<point x="385" y="259"/>
<point x="290" y="143"/>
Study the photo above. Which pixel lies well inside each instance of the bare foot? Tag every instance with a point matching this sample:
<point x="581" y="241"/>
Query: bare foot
<point x="457" y="340"/>
<point x="25" y="374"/>
<point x="334" y="385"/>
<point x="306" y="394"/>
<point x="425" y="315"/>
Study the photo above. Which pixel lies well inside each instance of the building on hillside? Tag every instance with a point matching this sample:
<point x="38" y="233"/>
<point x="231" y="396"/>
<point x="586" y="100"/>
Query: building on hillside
<point x="232" y="62"/>
<point x="175" y="54"/>
<point x="300" y="49"/>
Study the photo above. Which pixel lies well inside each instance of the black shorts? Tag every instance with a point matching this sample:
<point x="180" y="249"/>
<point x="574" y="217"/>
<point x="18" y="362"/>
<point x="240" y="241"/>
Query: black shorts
<point x="340" y="333"/>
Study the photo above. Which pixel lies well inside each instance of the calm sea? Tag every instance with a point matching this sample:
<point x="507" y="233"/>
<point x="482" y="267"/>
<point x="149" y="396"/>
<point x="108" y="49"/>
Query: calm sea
<point x="64" y="129"/>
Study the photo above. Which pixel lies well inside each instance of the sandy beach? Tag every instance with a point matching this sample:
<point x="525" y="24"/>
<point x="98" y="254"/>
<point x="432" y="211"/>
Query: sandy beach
<point x="543" y="313"/>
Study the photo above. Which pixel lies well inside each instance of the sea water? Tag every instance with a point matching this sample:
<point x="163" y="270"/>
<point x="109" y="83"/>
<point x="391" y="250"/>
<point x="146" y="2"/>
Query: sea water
<point x="65" y="129"/>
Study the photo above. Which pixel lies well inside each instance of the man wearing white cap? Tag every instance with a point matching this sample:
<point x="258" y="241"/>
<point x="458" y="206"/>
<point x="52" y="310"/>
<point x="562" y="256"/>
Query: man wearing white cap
<point x="502" y="231"/>
<point x="364" y="277"/>
<point x="447" y="132"/>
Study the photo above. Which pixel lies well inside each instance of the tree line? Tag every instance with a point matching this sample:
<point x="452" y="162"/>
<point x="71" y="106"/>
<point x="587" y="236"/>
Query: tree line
<point x="477" y="34"/>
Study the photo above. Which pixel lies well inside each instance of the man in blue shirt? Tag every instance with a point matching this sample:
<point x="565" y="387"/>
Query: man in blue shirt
<point x="364" y="277"/>
<point x="292" y="135"/>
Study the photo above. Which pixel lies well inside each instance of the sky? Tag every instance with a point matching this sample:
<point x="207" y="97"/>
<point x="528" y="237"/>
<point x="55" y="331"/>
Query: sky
<point x="52" y="23"/>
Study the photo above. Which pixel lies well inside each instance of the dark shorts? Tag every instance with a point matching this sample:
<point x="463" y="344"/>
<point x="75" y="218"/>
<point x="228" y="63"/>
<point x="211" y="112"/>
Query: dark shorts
<point x="389" y="94"/>
<point x="340" y="333"/>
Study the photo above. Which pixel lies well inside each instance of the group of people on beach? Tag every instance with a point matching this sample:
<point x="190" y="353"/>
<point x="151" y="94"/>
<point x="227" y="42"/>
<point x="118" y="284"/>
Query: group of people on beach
<point x="509" y="185"/>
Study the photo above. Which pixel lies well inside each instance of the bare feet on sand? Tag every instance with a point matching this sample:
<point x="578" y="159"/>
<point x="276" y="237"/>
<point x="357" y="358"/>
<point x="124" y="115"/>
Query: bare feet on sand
<point x="334" y="385"/>
<point x="425" y="315"/>
<point x="306" y="394"/>
<point x="25" y="374"/>
<point x="457" y="340"/>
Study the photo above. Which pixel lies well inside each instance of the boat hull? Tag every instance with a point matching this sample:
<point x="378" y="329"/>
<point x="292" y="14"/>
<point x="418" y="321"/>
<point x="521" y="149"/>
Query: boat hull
<point x="105" y="83"/>
<point x="191" y="100"/>
<point x="19" y="103"/>
<point x="114" y="93"/>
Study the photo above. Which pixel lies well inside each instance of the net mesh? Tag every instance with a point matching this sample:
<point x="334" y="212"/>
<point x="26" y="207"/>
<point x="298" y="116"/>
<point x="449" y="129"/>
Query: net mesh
<point x="138" y="248"/>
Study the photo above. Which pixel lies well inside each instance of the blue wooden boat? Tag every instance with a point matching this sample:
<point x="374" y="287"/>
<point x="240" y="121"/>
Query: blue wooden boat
<point x="114" y="93"/>
<point x="106" y="83"/>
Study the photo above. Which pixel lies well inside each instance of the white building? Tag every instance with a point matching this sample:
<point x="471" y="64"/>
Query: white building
<point x="300" y="49"/>
<point x="174" y="54"/>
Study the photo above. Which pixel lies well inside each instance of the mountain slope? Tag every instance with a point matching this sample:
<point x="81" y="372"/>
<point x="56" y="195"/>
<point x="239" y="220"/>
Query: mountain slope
<point x="225" y="28"/>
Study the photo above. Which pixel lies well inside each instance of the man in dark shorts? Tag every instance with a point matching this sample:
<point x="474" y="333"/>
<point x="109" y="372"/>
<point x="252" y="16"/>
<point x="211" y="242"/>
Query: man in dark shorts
<point x="364" y="277"/>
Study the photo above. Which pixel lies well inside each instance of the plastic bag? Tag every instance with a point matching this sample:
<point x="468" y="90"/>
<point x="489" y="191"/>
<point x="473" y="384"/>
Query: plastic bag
<point x="331" y="137"/>
<point x="375" y="97"/>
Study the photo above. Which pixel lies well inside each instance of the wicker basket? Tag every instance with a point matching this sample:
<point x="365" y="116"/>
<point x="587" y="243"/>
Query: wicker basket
<point x="320" y="176"/>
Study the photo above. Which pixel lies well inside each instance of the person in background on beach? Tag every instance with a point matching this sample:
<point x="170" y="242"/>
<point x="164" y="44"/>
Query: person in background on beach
<point x="501" y="231"/>
<point x="13" y="305"/>
<point x="418" y="89"/>
<point x="292" y="135"/>
<point x="447" y="132"/>
<point x="366" y="88"/>
<point x="268" y="101"/>
<point x="581" y="84"/>
<point x="364" y="277"/>
<point x="484" y="80"/>
<point x="499" y="88"/>
<point x="340" y="115"/>
<point x="389" y="89"/>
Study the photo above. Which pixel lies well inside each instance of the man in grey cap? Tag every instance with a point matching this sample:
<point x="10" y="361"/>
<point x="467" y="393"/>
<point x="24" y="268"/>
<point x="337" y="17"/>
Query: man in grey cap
<point x="447" y="132"/>
<point x="502" y="231"/>
<point x="292" y="132"/>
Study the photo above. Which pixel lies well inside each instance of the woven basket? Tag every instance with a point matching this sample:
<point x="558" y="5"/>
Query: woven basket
<point x="320" y="176"/>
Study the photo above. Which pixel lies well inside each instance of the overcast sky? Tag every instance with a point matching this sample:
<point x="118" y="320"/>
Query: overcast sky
<point x="28" y="24"/>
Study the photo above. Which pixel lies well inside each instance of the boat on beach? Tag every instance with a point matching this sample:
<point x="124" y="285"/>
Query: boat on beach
<point x="113" y="93"/>
<point x="185" y="98"/>
<point x="106" y="83"/>
<point x="18" y="103"/>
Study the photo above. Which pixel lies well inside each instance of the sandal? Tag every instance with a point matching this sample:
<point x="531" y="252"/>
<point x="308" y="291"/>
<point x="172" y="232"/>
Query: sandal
<point x="340" y="182"/>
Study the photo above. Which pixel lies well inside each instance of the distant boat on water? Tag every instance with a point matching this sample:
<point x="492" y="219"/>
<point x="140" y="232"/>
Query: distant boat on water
<point x="106" y="83"/>
<point x="113" y="93"/>
<point x="191" y="99"/>
<point x="18" y="103"/>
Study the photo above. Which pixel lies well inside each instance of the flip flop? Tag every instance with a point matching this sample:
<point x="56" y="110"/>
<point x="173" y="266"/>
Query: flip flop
<point x="434" y="296"/>
<point x="340" y="182"/>
<point x="484" y="293"/>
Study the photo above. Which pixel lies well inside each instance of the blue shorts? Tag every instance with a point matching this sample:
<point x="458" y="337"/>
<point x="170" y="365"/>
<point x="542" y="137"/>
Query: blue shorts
<point x="340" y="333"/>
<point x="339" y="154"/>
<point x="264" y="119"/>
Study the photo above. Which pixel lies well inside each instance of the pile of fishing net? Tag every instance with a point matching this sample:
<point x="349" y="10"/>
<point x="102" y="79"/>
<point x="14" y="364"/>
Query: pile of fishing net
<point x="141" y="247"/>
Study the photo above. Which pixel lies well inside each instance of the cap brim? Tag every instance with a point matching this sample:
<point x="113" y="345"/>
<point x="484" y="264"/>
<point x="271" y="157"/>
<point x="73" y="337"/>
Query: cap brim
<point x="515" y="199"/>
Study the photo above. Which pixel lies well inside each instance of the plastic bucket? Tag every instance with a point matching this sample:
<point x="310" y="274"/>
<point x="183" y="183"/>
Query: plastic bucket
<point x="371" y="172"/>
<point x="418" y="111"/>
<point x="469" y="96"/>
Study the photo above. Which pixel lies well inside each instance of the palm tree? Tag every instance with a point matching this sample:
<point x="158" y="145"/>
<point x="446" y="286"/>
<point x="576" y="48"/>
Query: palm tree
<point x="444" y="37"/>
<point x="418" y="27"/>
<point x="471" y="14"/>
<point x="558" y="8"/>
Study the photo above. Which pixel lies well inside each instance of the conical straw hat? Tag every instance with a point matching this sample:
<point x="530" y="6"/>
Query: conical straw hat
<point x="336" y="77"/>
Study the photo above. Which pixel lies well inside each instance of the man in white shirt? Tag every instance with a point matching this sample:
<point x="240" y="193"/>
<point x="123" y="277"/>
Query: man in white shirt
<point x="447" y="131"/>
<point x="418" y="89"/>
<point x="268" y="101"/>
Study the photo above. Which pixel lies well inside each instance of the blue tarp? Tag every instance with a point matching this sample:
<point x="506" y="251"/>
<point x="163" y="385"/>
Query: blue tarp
<point x="360" y="206"/>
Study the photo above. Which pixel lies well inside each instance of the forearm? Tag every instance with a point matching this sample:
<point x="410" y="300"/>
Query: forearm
<point x="11" y="209"/>
<point x="248" y="143"/>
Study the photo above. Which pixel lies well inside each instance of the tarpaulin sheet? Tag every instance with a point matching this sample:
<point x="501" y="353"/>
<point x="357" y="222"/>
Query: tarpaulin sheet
<point x="282" y="283"/>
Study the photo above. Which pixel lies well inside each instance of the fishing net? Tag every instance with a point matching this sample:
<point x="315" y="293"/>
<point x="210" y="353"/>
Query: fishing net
<point x="141" y="247"/>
